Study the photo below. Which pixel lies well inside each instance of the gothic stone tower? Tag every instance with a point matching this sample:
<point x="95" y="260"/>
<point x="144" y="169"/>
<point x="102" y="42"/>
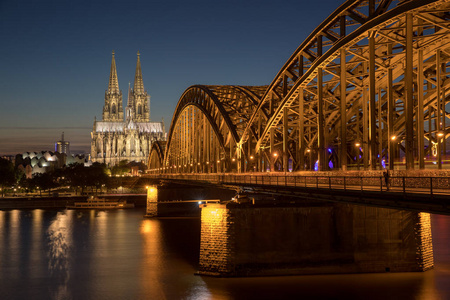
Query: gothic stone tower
<point x="113" y="110"/>
<point x="115" y="139"/>
<point x="140" y="100"/>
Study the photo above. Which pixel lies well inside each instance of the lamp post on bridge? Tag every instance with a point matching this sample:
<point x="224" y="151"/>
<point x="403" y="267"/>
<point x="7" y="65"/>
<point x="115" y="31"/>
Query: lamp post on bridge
<point x="439" y="136"/>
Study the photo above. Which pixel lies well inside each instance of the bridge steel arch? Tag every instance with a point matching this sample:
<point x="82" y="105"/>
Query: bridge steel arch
<point x="353" y="89"/>
<point x="206" y="127"/>
<point x="156" y="156"/>
<point x="367" y="88"/>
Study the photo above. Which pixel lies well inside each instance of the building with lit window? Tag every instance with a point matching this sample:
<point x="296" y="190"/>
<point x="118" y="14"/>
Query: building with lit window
<point x="62" y="146"/>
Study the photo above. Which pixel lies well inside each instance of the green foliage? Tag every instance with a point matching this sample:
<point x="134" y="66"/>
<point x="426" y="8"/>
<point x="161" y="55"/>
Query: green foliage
<point x="121" y="168"/>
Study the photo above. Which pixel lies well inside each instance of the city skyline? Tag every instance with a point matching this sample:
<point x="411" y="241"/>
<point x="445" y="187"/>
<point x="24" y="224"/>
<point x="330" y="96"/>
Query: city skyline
<point x="56" y="57"/>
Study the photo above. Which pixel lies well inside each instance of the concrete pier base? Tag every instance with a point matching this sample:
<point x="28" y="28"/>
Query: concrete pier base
<point x="247" y="240"/>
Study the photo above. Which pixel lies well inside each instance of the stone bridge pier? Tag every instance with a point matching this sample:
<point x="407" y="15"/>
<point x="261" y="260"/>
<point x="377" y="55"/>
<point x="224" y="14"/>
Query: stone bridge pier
<point x="316" y="238"/>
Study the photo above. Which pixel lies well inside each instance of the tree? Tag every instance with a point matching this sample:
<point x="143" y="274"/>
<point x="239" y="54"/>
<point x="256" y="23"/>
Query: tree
<point x="121" y="168"/>
<point x="7" y="174"/>
<point x="44" y="181"/>
<point x="96" y="175"/>
<point x="76" y="176"/>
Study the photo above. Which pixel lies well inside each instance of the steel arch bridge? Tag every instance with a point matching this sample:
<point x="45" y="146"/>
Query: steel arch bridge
<point x="368" y="88"/>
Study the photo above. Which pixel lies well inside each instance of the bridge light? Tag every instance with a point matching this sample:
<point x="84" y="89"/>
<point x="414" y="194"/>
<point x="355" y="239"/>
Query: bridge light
<point x="198" y="164"/>
<point x="440" y="134"/>
<point x="357" y="144"/>
<point x="191" y="165"/>
<point x="207" y="162"/>
<point x="308" y="150"/>
<point x="233" y="159"/>
<point x="393" y="138"/>
<point x="146" y="187"/>
<point x="218" y="161"/>
<point x="275" y="154"/>
<point x="251" y="157"/>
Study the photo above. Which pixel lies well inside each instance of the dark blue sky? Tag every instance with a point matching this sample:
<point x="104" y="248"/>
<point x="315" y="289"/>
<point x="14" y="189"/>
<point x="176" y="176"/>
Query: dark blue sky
<point x="55" y="57"/>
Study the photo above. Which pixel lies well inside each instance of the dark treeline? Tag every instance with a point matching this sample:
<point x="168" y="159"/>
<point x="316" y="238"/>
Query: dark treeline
<point x="75" y="177"/>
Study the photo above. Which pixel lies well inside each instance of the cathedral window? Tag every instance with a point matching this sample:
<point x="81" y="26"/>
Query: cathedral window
<point x="139" y="110"/>
<point x="113" y="110"/>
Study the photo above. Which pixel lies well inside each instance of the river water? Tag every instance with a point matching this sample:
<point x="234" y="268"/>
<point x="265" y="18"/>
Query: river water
<point x="66" y="254"/>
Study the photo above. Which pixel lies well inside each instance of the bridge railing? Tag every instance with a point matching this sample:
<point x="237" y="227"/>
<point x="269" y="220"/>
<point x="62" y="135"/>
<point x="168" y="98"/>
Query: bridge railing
<point x="402" y="184"/>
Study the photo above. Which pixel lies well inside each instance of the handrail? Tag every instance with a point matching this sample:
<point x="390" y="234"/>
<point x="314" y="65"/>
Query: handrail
<point x="396" y="184"/>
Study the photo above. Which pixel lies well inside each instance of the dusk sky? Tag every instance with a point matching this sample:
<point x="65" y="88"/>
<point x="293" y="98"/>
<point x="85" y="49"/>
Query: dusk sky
<point x="55" y="57"/>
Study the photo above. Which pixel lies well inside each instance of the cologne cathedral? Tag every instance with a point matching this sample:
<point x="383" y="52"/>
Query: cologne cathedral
<point x="116" y="138"/>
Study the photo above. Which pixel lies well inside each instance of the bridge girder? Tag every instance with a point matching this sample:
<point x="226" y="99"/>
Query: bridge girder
<point x="295" y="99"/>
<point x="368" y="83"/>
<point x="206" y="126"/>
<point x="156" y="156"/>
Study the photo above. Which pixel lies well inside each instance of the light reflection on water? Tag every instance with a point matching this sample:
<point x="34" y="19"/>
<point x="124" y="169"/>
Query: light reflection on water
<point x="119" y="255"/>
<point x="59" y="237"/>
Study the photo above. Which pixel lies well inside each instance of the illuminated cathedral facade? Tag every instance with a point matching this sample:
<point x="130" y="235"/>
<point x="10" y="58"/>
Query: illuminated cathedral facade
<point x="128" y="136"/>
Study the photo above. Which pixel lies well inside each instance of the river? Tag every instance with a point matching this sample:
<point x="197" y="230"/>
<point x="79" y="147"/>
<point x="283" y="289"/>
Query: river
<point x="66" y="254"/>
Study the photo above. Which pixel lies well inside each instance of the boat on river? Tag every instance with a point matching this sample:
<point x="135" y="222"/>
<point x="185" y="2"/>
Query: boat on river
<point x="100" y="203"/>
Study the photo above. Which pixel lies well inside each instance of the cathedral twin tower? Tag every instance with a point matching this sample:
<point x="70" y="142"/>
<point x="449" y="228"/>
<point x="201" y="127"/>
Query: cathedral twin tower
<point x="116" y="138"/>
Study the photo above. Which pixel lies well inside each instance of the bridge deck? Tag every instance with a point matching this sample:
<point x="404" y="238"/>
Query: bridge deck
<point x="430" y="194"/>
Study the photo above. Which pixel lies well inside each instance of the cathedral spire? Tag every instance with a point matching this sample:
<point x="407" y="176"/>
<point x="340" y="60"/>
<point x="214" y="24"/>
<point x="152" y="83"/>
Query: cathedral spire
<point x="138" y="82"/>
<point x="129" y="99"/>
<point x="113" y="86"/>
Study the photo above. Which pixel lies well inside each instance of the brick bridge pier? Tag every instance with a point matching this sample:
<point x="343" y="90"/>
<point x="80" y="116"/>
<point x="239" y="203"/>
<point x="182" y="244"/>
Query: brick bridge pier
<point x="300" y="237"/>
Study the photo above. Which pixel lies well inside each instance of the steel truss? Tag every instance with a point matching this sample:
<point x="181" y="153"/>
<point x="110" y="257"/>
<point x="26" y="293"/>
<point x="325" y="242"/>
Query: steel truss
<point x="367" y="88"/>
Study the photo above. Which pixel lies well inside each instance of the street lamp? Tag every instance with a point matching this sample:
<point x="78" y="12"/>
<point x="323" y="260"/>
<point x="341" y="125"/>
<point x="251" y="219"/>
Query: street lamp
<point x="357" y="145"/>
<point x="439" y="134"/>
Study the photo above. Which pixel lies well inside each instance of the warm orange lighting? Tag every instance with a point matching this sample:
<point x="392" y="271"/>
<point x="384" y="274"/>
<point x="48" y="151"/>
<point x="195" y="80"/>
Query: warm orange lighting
<point x="198" y="164"/>
<point x="357" y="144"/>
<point x="393" y="138"/>
<point x="191" y="165"/>
<point x="307" y="150"/>
<point x="275" y="154"/>
<point x="234" y="159"/>
<point x="251" y="157"/>
<point x="207" y="162"/>
<point x="440" y="134"/>
<point x="146" y="187"/>
<point x="218" y="161"/>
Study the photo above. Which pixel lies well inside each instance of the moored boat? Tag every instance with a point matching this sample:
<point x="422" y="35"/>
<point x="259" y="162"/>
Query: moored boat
<point x="100" y="203"/>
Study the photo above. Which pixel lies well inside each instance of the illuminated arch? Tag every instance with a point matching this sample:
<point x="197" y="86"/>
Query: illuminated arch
<point x="156" y="156"/>
<point x="373" y="72"/>
<point x="206" y="127"/>
<point x="352" y="53"/>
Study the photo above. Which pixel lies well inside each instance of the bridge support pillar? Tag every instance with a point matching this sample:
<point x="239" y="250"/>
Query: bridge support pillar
<point x="152" y="201"/>
<point x="250" y="240"/>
